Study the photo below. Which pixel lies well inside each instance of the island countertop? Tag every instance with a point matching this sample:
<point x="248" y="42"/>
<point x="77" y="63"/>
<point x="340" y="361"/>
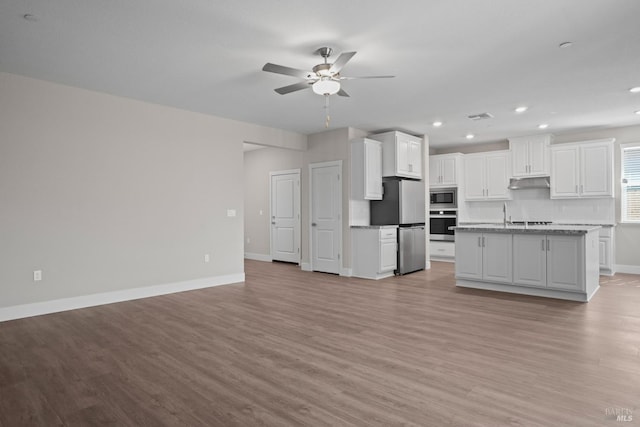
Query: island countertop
<point x="534" y="229"/>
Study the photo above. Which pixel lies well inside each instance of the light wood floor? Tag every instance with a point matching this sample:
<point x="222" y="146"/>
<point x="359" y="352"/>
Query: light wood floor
<point x="292" y="348"/>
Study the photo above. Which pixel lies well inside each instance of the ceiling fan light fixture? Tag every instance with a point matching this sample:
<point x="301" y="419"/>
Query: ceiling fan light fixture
<point x="326" y="86"/>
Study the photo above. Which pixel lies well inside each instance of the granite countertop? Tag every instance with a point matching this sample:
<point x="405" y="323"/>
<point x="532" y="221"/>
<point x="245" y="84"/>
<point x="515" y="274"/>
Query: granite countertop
<point x="374" y="226"/>
<point x="534" y="229"/>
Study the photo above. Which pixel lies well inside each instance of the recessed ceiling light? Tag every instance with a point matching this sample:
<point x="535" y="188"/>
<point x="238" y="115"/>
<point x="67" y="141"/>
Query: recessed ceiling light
<point x="543" y="126"/>
<point x="635" y="89"/>
<point x="638" y="112"/>
<point x="521" y="109"/>
<point x="437" y="124"/>
<point x="470" y="136"/>
<point x="565" y="45"/>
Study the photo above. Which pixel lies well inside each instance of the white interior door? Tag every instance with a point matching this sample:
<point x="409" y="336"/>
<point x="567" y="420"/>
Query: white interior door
<point x="285" y="216"/>
<point x="326" y="222"/>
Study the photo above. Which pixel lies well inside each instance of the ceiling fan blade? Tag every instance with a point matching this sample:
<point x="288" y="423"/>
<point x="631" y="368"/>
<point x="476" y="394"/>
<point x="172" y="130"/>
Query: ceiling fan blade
<point x="366" y="77"/>
<point x="341" y="92"/>
<point x="281" y="69"/>
<point x="341" y="61"/>
<point x="293" y="88"/>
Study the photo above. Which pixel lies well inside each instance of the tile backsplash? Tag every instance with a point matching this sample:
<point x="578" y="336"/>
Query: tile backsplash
<point x="535" y="205"/>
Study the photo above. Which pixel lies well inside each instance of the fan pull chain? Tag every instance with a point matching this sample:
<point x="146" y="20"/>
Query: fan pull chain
<point x="326" y="108"/>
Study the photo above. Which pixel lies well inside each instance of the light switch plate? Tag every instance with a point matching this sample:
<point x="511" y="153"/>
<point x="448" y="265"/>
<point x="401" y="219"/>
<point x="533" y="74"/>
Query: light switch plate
<point x="231" y="212"/>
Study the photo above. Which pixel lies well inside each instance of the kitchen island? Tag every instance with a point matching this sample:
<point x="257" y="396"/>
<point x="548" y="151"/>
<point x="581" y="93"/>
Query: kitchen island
<point x="555" y="261"/>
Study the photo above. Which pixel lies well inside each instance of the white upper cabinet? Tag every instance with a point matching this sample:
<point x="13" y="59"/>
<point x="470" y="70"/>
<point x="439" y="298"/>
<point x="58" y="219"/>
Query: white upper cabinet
<point x="401" y="154"/>
<point x="486" y="176"/>
<point x="366" y="169"/>
<point x="530" y="155"/>
<point x="582" y="170"/>
<point x="444" y="170"/>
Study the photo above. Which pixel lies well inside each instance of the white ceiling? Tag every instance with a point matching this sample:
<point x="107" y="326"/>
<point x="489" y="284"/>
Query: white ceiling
<point x="452" y="58"/>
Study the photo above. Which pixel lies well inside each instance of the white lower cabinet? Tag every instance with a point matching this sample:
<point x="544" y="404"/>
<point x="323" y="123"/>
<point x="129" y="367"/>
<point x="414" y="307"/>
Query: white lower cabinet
<point x="484" y="256"/>
<point x="548" y="261"/>
<point x="469" y="255"/>
<point x="374" y="252"/>
<point x="388" y="260"/>
<point x="565" y="262"/>
<point x="442" y="250"/>
<point x="496" y="257"/>
<point x="530" y="260"/>
<point x="606" y="251"/>
<point x="556" y="265"/>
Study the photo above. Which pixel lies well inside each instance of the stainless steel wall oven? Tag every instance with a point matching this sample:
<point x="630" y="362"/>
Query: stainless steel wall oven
<point x="439" y="223"/>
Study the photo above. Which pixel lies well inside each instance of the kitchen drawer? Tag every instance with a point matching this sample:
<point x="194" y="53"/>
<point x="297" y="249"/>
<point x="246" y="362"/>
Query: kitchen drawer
<point x="388" y="233"/>
<point x="442" y="249"/>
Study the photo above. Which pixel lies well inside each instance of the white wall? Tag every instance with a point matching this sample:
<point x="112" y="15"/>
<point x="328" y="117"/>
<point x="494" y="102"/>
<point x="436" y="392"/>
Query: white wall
<point x="106" y="194"/>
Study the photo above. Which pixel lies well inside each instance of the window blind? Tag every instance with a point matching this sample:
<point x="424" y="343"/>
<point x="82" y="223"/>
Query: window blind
<point x="631" y="184"/>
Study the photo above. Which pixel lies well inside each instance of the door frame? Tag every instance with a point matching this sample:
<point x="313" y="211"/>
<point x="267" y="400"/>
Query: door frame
<point x="298" y="237"/>
<point x="313" y="166"/>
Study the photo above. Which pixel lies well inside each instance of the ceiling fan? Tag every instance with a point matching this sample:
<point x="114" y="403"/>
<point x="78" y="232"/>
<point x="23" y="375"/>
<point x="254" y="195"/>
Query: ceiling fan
<point x="323" y="79"/>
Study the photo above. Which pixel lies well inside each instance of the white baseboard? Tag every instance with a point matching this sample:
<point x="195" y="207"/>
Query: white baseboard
<point x="628" y="269"/>
<point x="258" y="257"/>
<point x="305" y="266"/>
<point x="346" y="272"/>
<point x="65" y="304"/>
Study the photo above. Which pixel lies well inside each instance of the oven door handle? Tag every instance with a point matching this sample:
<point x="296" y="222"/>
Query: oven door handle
<point x="443" y="216"/>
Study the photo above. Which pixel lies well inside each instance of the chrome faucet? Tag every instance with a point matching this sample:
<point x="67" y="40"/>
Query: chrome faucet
<point x="504" y="214"/>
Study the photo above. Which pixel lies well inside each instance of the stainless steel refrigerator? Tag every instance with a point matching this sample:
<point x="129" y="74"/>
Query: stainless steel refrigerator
<point x="403" y="204"/>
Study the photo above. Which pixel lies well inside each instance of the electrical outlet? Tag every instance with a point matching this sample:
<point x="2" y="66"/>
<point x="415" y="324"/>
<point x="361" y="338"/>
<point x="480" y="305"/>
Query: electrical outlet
<point x="37" y="275"/>
<point x="207" y="258"/>
<point x="231" y="212"/>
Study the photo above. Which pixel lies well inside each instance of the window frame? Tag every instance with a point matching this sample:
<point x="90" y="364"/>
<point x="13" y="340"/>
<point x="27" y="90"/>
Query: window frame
<point x="623" y="185"/>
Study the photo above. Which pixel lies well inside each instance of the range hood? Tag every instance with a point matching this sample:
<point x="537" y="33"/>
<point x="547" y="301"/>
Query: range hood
<point x="529" y="183"/>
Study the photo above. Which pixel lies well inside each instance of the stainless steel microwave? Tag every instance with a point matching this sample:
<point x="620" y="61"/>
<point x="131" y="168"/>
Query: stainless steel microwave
<point x="443" y="198"/>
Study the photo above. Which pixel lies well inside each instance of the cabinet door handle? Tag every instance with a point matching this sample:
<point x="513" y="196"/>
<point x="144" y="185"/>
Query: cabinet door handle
<point x="479" y="245"/>
<point x="542" y="244"/>
<point x="483" y="241"/>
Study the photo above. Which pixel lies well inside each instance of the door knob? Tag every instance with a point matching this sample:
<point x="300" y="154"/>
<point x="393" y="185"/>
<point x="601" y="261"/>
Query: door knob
<point x="273" y="222"/>
<point x="313" y="224"/>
